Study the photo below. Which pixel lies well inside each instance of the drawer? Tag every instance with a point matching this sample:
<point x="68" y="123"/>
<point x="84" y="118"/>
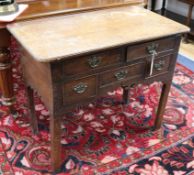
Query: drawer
<point x="78" y="90"/>
<point x="92" y="62"/>
<point x="161" y="65"/>
<point x="122" y="74"/>
<point x="145" y="49"/>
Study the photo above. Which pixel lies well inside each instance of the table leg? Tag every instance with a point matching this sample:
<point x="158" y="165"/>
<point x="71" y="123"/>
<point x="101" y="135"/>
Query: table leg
<point x="6" y="80"/>
<point x="33" y="118"/>
<point x="55" y="130"/>
<point x="125" y="95"/>
<point x="162" y="104"/>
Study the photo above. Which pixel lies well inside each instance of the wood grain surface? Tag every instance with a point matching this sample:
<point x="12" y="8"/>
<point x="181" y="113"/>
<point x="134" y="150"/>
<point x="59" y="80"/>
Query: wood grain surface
<point x="60" y="37"/>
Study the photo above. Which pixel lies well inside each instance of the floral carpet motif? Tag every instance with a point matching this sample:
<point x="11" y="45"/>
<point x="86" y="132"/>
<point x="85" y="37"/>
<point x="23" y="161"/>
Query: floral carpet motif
<point x="104" y="137"/>
<point x="184" y="81"/>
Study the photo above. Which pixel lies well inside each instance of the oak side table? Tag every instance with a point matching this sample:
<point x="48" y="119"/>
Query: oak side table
<point x="87" y="54"/>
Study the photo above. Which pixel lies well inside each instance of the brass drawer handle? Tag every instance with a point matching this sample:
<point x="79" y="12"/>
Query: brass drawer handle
<point x="4" y="52"/>
<point x="80" y="88"/>
<point x="121" y="74"/>
<point x="160" y="65"/>
<point x="94" y="61"/>
<point x="152" y="50"/>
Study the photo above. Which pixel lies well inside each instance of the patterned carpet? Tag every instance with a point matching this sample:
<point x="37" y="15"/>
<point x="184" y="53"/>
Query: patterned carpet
<point x="105" y="137"/>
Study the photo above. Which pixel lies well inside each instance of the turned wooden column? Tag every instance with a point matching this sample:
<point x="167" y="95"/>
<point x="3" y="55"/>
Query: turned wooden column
<point x="6" y="81"/>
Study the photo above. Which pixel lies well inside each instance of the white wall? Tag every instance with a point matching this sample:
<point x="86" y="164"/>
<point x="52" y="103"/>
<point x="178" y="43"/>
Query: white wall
<point x="178" y="7"/>
<point x="174" y="6"/>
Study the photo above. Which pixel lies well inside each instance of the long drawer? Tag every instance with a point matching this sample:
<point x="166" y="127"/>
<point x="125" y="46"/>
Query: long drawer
<point x="92" y="62"/>
<point x="122" y="74"/>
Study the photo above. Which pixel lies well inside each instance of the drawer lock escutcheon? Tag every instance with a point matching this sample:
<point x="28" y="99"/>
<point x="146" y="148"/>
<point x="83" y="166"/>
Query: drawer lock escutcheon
<point x="121" y="74"/>
<point x="94" y="61"/>
<point x="152" y="50"/>
<point x="80" y="88"/>
<point x="160" y="65"/>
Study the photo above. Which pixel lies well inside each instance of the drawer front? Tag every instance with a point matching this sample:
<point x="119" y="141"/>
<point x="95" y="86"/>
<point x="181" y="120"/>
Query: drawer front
<point x="92" y="62"/>
<point x="146" y="49"/>
<point x="78" y="90"/>
<point x="123" y="74"/>
<point x="161" y="65"/>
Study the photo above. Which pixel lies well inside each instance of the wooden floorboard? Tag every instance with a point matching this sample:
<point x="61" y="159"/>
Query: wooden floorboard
<point x="187" y="50"/>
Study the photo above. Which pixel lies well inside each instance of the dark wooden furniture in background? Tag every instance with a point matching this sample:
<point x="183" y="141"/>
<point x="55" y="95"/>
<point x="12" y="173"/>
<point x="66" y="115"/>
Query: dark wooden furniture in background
<point x="40" y="9"/>
<point x="163" y="9"/>
<point x="6" y="83"/>
<point x="78" y="63"/>
<point x="190" y="35"/>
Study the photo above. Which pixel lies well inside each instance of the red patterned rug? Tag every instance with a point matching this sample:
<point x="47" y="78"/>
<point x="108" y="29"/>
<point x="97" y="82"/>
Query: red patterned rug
<point x="105" y="137"/>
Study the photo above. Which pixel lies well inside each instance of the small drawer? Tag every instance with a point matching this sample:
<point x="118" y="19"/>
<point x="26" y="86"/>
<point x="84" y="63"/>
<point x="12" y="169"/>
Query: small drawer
<point x="161" y="65"/>
<point x="143" y="50"/>
<point x="125" y="73"/>
<point x="78" y="90"/>
<point x="92" y="62"/>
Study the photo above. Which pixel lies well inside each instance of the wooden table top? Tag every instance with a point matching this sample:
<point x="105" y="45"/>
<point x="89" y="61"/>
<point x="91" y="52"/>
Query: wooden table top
<point x="59" y="37"/>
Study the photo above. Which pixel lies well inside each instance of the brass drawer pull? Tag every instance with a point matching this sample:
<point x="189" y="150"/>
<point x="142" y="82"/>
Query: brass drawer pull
<point x="80" y="88"/>
<point x="160" y="65"/>
<point x="4" y="52"/>
<point x="152" y="50"/>
<point x="94" y="61"/>
<point x="121" y="74"/>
